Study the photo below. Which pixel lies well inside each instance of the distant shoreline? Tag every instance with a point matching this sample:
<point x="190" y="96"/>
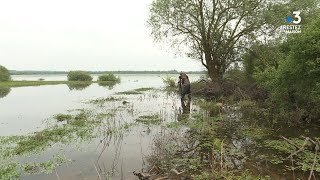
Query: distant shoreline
<point x="13" y="72"/>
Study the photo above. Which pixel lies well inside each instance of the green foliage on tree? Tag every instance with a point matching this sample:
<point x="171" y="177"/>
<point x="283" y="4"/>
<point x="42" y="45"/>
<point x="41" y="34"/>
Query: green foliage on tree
<point x="211" y="31"/>
<point x="79" y="76"/>
<point x="4" y="74"/>
<point x="295" y="82"/>
<point x="108" y="77"/>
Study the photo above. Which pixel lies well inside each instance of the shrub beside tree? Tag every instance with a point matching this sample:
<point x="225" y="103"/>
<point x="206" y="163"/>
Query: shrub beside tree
<point x="4" y="74"/>
<point x="79" y="76"/>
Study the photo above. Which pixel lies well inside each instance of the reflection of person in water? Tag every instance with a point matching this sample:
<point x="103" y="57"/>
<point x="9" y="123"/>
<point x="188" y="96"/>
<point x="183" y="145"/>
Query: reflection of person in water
<point x="185" y="110"/>
<point x="185" y="107"/>
<point x="184" y="85"/>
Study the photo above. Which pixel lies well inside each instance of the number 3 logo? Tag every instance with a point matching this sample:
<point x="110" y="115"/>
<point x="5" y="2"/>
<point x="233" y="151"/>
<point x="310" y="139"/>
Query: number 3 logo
<point x="297" y="17"/>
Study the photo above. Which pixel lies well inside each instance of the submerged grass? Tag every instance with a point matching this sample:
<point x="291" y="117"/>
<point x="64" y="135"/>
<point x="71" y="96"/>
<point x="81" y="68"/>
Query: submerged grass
<point x="144" y="89"/>
<point x="81" y="126"/>
<point x="13" y="170"/>
<point x="136" y="91"/>
<point x="101" y="101"/>
<point x="129" y="92"/>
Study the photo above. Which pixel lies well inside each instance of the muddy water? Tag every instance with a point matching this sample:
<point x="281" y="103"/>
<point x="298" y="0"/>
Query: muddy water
<point x="26" y="110"/>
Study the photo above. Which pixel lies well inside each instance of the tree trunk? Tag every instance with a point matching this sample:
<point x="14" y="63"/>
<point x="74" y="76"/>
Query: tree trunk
<point x="215" y="73"/>
<point x="214" y="70"/>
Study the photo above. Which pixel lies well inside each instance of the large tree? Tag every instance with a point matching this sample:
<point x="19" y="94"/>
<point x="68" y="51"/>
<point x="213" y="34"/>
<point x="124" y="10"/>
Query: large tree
<point x="211" y="31"/>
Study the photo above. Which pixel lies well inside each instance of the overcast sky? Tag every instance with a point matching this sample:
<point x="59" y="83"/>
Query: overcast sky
<point x="82" y="34"/>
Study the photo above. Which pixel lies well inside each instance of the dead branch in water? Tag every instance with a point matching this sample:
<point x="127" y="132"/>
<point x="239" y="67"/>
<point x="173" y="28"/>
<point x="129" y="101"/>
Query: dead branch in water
<point x="316" y="143"/>
<point x="288" y="141"/>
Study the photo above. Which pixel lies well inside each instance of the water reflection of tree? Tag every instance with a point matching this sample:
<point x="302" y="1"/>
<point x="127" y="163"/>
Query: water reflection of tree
<point x="78" y="86"/>
<point x="4" y="92"/>
<point x="110" y="84"/>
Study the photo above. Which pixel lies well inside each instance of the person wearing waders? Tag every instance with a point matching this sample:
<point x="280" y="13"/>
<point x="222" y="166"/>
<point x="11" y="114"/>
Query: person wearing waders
<point x="184" y="85"/>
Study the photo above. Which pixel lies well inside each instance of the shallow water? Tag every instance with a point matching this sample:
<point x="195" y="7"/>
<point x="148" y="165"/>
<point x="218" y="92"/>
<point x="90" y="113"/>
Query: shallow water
<point x="96" y="152"/>
<point x="25" y="110"/>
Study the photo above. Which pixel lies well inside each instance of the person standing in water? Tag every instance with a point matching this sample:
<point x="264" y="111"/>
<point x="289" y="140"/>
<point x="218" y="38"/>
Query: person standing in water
<point x="184" y="85"/>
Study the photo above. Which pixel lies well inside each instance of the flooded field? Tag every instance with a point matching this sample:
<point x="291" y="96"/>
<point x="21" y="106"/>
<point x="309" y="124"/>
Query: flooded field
<point x="108" y="131"/>
<point x="110" y="142"/>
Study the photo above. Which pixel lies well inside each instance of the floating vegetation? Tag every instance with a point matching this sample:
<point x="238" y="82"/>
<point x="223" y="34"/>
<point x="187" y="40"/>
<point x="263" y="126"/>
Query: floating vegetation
<point x="10" y="170"/>
<point x="81" y="126"/>
<point x="44" y="167"/>
<point x="129" y="92"/>
<point x="144" y="89"/>
<point x="101" y="101"/>
<point x="149" y="119"/>
<point x="13" y="170"/>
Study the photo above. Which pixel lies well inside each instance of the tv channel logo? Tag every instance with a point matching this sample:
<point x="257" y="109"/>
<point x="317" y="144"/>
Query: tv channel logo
<point x="295" y="18"/>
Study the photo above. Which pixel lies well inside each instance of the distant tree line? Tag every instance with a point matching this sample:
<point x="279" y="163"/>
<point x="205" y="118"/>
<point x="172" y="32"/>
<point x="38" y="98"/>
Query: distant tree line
<point x="14" y="72"/>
